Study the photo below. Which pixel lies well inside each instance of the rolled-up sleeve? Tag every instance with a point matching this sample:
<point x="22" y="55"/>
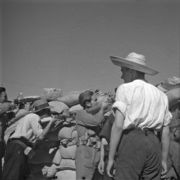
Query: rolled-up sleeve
<point x="120" y="101"/>
<point x="167" y="118"/>
<point x="168" y="115"/>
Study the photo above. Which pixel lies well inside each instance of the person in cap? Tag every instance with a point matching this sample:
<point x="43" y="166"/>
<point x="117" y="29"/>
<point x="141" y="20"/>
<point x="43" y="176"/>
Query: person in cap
<point x="141" y="111"/>
<point x="20" y="144"/>
<point x="88" y="123"/>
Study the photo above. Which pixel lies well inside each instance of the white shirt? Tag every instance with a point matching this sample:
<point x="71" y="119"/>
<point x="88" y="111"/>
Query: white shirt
<point x="143" y="105"/>
<point x="28" y="127"/>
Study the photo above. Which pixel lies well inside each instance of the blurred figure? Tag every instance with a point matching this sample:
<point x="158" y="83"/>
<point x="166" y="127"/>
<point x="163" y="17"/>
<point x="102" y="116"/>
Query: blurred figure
<point x="88" y="123"/>
<point x="20" y="144"/>
<point x="5" y="107"/>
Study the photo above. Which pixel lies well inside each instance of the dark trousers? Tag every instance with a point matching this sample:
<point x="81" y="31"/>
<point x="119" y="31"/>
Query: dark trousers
<point x="2" y="150"/>
<point x="15" y="165"/>
<point x="139" y="156"/>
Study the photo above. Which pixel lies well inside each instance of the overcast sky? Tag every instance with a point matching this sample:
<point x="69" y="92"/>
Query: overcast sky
<point x="67" y="45"/>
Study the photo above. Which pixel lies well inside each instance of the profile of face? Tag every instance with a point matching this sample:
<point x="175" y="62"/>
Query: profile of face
<point x="91" y="102"/>
<point x="27" y="106"/>
<point x="3" y="96"/>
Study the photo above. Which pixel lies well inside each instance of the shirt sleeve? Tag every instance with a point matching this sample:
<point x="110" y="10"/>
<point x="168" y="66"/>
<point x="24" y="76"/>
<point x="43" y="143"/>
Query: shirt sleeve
<point x="168" y="116"/>
<point x="120" y="100"/>
<point x="36" y="127"/>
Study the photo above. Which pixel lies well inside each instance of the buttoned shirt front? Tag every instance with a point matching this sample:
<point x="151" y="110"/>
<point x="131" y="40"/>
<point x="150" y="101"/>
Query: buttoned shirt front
<point x="143" y="105"/>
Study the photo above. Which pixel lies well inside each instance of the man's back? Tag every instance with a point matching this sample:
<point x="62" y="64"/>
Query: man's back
<point x="141" y="103"/>
<point x="28" y="127"/>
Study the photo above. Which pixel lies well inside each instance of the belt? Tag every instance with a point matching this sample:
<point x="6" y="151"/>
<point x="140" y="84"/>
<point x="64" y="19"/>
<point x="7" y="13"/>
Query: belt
<point x="146" y="131"/>
<point x="23" y="140"/>
<point x="28" y="151"/>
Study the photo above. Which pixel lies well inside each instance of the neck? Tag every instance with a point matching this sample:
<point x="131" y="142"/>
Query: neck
<point x="138" y="75"/>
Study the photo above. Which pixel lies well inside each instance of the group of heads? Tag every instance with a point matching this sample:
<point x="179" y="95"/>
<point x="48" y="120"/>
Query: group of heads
<point x="132" y="67"/>
<point x="42" y="108"/>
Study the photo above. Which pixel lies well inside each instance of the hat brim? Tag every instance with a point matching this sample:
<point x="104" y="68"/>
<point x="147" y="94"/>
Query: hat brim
<point x="48" y="107"/>
<point x="123" y="62"/>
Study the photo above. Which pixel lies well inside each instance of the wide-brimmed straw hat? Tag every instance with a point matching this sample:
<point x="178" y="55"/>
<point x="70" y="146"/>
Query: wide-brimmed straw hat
<point x="134" y="61"/>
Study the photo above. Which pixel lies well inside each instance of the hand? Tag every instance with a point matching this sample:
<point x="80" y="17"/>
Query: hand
<point x="49" y="171"/>
<point x="109" y="168"/>
<point x="53" y="120"/>
<point x="44" y="170"/>
<point x="164" y="169"/>
<point x="101" y="167"/>
<point x="104" y="104"/>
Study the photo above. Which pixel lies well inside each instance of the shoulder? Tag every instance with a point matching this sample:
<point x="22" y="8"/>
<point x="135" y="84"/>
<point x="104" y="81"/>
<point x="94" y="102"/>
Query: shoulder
<point x="130" y="85"/>
<point x="81" y="112"/>
<point x="127" y="88"/>
<point x="32" y="116"/>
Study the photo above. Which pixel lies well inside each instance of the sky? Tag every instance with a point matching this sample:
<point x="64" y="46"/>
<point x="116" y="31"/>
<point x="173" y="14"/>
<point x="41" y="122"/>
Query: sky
<point x="67" y="45"/>
<point x="0" y="44"/>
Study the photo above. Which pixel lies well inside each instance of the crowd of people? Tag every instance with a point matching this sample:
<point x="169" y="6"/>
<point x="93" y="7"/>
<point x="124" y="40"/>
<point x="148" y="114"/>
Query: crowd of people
<point x="130" y="134"/>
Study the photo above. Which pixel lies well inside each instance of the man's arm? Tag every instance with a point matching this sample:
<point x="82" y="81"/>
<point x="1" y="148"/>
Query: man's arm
<point x="37" y="129"/>
<point x="46" y="129"/>
<point x="116" y="134"/>
<point x="102" y="154"/>
<point x="95" y="109"/>
<point x="91" y="119"/>
<point x="165" y="139"/>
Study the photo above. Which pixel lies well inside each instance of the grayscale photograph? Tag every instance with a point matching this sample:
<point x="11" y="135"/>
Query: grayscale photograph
<point x="89" y="89"/>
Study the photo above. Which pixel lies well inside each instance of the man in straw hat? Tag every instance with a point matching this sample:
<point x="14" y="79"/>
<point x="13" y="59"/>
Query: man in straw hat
<point x="141" y="110"/>
<point x="20" y="144"/>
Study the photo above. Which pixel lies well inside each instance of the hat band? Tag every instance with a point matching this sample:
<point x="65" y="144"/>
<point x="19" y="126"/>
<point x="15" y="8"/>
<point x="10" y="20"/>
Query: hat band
<point x="42" y="106"/>
<point x="137" y="60"/>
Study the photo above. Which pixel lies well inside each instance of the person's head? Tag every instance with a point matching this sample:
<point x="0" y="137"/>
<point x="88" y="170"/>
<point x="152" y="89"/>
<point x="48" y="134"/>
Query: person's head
<point x="87" y="99"/>
<point x="41" y="107"/>
<point x="133" y="67"/>
<point x="129" y="75"/>
<point x="3" y="95"/>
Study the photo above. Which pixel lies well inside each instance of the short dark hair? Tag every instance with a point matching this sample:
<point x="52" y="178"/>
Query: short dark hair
<point x="85" y="96"/>
<point x="2" y="89"/>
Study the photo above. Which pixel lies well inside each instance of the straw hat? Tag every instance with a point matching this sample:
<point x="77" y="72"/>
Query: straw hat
<point x="39" y="105"/>
<point x="134" y="61"/>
